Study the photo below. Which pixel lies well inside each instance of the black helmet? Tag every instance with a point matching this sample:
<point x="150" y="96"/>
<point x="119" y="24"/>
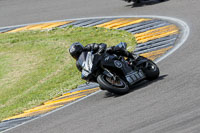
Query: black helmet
<point x="75" y="50"/>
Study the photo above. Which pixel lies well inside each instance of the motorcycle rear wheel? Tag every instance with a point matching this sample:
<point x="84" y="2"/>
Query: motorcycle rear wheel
<point x="118" y="87"/>
<point x="151" y="70"/>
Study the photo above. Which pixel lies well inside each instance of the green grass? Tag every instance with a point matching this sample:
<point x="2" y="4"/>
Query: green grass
<point x="35" y="66"/>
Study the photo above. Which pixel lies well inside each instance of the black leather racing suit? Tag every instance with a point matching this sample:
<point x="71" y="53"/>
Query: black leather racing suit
<point x="119" y="49"/>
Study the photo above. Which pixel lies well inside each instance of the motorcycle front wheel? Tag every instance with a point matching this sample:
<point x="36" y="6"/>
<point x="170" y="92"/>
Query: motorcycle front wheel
<point x="117" y="86"/>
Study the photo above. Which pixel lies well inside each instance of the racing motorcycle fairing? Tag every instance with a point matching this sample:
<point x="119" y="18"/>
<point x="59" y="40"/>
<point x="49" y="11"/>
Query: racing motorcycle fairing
<point x="141" y="60"/>
<point x="88" y="62"/>
<point x="121" y="67"/>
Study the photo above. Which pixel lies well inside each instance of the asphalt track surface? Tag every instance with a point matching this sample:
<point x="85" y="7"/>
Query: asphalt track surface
<point x="170" y="104"/>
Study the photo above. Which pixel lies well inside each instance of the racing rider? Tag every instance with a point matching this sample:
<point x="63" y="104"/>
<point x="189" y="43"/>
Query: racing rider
<point x="77" y="48"/>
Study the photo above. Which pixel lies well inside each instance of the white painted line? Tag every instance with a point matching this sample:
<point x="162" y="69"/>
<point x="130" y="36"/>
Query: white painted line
<point x="183" y="37"/>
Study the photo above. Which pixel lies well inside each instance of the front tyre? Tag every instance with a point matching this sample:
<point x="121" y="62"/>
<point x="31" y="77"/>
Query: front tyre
<point x="151" y="70"/>
<point x="117" y="86"/>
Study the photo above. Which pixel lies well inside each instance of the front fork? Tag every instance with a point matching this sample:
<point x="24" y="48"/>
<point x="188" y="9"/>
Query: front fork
<point x="109" y="74"/>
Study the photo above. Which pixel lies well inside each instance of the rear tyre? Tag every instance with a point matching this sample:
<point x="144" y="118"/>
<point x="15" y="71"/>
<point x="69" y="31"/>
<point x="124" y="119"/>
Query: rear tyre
<point x="151" y="70"/>
<point x="117" y="86"/>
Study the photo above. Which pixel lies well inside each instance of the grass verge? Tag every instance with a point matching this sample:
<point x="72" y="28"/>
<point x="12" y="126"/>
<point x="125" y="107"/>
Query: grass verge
<point x="35" y="66"/>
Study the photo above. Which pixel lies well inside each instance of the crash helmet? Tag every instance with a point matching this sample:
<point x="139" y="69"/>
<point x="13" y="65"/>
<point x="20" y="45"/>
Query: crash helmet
<point x="75" y="50"/>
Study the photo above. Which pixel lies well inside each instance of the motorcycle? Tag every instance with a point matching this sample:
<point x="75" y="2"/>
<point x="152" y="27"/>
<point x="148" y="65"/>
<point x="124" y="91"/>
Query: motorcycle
<point x="115" y="73"/>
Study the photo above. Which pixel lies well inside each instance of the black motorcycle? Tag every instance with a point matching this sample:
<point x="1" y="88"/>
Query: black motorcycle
<point x="115" y="73"/>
